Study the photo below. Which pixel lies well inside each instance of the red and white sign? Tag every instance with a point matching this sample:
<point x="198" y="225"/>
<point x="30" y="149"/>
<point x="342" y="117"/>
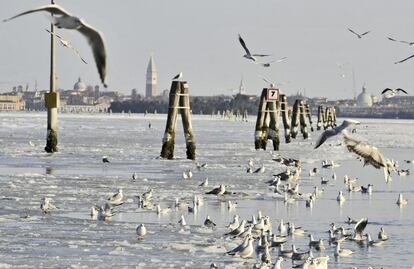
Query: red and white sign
<point x="273" y="94"/>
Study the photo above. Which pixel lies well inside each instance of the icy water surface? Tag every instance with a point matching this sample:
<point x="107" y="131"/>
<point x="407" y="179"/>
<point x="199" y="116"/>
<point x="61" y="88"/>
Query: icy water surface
<point x="76" y="179"/>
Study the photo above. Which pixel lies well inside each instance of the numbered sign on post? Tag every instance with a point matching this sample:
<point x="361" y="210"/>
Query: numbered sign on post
<point x="273" y="94"/>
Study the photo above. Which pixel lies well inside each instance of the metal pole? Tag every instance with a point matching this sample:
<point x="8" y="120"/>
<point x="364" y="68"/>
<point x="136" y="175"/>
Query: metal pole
<point x="52" y="99"/>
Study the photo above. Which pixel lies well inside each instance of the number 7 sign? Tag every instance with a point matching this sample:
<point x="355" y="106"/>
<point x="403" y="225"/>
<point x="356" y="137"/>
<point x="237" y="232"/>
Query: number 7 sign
<point x="272" y="94"/>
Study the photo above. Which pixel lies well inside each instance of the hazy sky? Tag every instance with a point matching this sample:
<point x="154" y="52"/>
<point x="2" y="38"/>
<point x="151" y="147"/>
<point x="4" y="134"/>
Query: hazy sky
<point x="199" y="38"/>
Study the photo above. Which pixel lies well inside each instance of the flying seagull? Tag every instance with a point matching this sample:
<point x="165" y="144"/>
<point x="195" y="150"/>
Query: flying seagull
<point x="358" y="35"/>
<point x="248" y="55"/>
<point x="370" y="154"/>
<point x="178" y="76"/>
<point x="401" y="41"/>
<point x="392" y="92"/>
<point x="332" y="132"/>
<point x="405" y="59"/>
<point x="274" y="61"/>
<point x="68" y="21"/>
<point x="65" y="43"/>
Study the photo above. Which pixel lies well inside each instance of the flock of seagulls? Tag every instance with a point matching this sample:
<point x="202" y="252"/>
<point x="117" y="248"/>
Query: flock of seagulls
<point x="256" y="236"/>
<point x="261" y="240"/>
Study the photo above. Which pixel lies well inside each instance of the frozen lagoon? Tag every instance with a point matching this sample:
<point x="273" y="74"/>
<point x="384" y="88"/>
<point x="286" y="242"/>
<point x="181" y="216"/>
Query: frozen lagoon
<point x="76" y="179"/>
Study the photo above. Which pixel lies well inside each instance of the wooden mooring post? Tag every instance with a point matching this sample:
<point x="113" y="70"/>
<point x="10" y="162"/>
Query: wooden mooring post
<point x="179" y="100"/>
<point x="267" y="123"/>
<point x="309" y="115"/>
<point x="186" y="118"/>
<point x="302" y="119"/>
<point x="259" y="137"/>
<point x="284" y="107"/>
<point x="295" y="118"/>
<point x="321" y="117"/>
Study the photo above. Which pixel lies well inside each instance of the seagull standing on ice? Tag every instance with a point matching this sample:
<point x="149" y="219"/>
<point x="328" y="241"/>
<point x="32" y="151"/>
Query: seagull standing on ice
<point x="141" y="231"/>
<point x="46" y="205"/>
<point x="332" y="132"/>
<point x="248" y="55"/>
<point x="116" y="199"/>
<point x="401" y="200"/>
<point x="68" y="21"/>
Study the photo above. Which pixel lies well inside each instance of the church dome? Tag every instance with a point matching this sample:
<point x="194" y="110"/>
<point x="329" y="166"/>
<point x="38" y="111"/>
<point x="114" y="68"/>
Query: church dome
<point x="79" y="86"/>
<point x="364" y="99"/>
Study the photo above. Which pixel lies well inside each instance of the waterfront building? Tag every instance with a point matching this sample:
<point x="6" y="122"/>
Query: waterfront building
<point x="11" y="103"/>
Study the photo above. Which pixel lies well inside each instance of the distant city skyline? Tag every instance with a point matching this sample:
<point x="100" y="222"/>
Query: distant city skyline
<point x="200" y="39"/>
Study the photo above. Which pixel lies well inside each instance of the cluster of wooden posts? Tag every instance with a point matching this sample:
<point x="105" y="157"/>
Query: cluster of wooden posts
<point x="326" y="117"/>
<point x="230" y="114"/>
<point x="179" y="100"/>
<point x="272" y="106"/>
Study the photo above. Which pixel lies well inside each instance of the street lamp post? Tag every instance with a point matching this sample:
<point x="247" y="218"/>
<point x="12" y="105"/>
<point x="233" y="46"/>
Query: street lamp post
<point x="52" y="99"/>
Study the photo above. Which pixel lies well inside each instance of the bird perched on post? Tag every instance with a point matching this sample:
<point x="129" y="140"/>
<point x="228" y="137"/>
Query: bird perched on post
<point x="64" y="19"/>
<point x="178" y="76"/>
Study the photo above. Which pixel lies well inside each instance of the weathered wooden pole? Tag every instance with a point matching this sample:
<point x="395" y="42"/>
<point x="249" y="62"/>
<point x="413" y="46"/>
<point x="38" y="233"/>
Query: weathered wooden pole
<point x="302" y="119"/>
<point x="260" y="139"/>
<point x="333" y="117"/>
<point x="319" y="124"/>
<point x="273" y="133"/>
<point x="52" y="99"/>
<point x="186" y="118"/>
<point x="326" y="122"/>
<point x="309" y="115"/>
<point x="167" y="150"/>
<point x="284" y="108"/>
<point x="295" y="118"/>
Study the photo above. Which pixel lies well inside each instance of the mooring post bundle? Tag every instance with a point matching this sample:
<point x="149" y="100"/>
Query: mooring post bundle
<point x="295" y="118"/>
<point x="309" y="115"/>
<point x="321" y="114"/>
<point x="167" y="151"/>
<point x="284" y="107"/>
<point x="186" y="118"/>
<point x="260" y="136"/>
<point x="302" y="119"/>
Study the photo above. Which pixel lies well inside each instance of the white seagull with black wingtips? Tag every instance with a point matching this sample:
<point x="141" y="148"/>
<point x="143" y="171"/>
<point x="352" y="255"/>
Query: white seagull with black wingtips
<point x="68" y="21"/>
<point x="248" y="55"/>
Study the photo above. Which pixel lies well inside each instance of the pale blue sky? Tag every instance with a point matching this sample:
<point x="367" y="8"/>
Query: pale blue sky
<point x="199" y="38"/>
